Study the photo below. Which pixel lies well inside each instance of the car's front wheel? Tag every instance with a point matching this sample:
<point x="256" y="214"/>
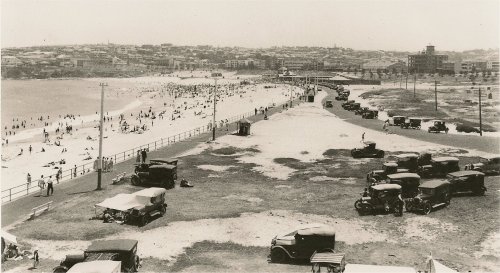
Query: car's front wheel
<point x="135" y="180"/>
<point x="427" y="208"/>
<point x="357" y="205"/>
<point x="144" y="220"/>
<point x="278" y="255"/>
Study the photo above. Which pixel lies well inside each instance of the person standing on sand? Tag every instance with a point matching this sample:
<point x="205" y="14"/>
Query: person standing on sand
<point x="30" y="149"/>
<point x="58" y="175"/>
<point x="363" y="137"/>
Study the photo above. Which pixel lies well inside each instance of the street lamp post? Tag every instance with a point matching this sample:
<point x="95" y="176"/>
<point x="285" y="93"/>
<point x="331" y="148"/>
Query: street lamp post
<point x="101" y="127"/>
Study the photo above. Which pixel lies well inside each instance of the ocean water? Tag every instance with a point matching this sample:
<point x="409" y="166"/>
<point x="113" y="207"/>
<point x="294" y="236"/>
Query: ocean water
<point x="26" y="99"/>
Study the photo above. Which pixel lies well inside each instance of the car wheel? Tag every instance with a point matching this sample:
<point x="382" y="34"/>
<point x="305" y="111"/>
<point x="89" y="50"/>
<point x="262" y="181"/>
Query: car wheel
<point x="135" y="180"/>
<point x="447" y="201"/>
<point x="358" y="205"/>
<point x="278" y="255"/>
<point x="429" y="130"/>
<point x="60" y="270"/>
<point x="163" y="210"/>
<point x="144" y="220"/>
<point x="427" y="208"/>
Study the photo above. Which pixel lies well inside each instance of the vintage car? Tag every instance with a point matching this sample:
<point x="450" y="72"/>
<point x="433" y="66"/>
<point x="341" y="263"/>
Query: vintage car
<point x="439" y="126"/>
<point x="390" y="167"/>
<point x="347" y="103"/>
<point x="331" y="262"/>
<point x="413" y="123"/>
<point x="439" y="167"/>
<point x="138" y="207"/>
<point x="409" y="183"/>
<point x="431" y="194"/>
<point x="489" y="165"/>
<point x="361" y="111"/>
<point x="408" y="161"/>
<point x="397" y="120"/>
<point x="380" y="197"/>
<point x="342" y="96"/>
<point x="302" y="243"/>
<point x="329" y="104"/>
<point x="121" y="250"/>
<point x="370" y="114"/>
<point x="159" y="172"/>
<point x="467" y="181"/>
<point x="368" y="151"/>
<point x="353" y="106"/>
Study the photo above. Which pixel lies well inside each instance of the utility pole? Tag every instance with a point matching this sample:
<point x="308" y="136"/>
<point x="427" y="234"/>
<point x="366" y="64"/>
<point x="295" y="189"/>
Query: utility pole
<point x="215" y="103"/>
<point x="101" y="127"/>
<point x="414" y="84"/>
<point x="406" y="80"/>
<point x="480" y="117"/>
<point x="435" y="94"/>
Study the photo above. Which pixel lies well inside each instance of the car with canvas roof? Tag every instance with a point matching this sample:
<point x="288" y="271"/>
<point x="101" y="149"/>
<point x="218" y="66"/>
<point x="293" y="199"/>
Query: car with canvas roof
<point x="409" y="183"/>
<point x="368" y="151"/>
<point x="390" y="167"/>
<point x="136" y="208"/>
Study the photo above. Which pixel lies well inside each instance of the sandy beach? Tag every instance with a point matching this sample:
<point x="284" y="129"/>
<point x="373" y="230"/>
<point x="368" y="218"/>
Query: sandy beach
<point x="150" y="104"/>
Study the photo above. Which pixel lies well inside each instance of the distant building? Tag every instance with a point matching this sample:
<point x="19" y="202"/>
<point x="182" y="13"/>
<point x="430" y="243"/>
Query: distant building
<point x="492" y="65"/>
<point x="426" y="62"/>
<point x="296" y="63"/>
<point x="384" y="65"/>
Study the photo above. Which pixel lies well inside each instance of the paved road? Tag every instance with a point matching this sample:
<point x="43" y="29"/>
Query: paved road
<point x="475" y="142"/>
<point x="20" y="209"/>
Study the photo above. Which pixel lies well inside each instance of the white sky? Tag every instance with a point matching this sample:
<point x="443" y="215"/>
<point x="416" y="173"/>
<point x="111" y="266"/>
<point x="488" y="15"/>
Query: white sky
<point x="359" y="24"/>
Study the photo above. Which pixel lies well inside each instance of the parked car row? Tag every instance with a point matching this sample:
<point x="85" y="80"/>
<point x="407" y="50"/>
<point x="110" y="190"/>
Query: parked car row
<point x="402" y="178"/>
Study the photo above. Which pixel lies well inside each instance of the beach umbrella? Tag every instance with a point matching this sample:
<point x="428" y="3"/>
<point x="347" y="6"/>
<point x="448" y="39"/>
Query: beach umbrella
<point x="9" y="237"/>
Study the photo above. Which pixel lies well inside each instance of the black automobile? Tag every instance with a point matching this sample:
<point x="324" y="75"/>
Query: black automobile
<point x="123" y="250"/>
<point x="381" y="197"/>
<point x="408" y="161"/>
<point x="376" y="176"/>
<point x="159" y="172"/>
<point x="431" y="194"/>
<point x="370" y="114"/>
<point x="467" y="181"/>
<point x="347" y="103"/>
<point x="439" y="126"/>
<point x="302" y="243"/>
<point x="353" y="106"/>
<point x="361" y="111"/>
<point x="397" y="120"/>
<point x="439" y="167"/>
<point x="368" y="151"/>
<point x="412" y="123"/>
<point x="409" y="183"/>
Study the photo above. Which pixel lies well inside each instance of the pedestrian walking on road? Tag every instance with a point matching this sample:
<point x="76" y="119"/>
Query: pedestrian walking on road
<point x="28" y="180"/>
<point x="30" y="149"/>
<point x="74" y="171"/>
<point x="255" y="111"/>
<point x="50" y="186"/>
